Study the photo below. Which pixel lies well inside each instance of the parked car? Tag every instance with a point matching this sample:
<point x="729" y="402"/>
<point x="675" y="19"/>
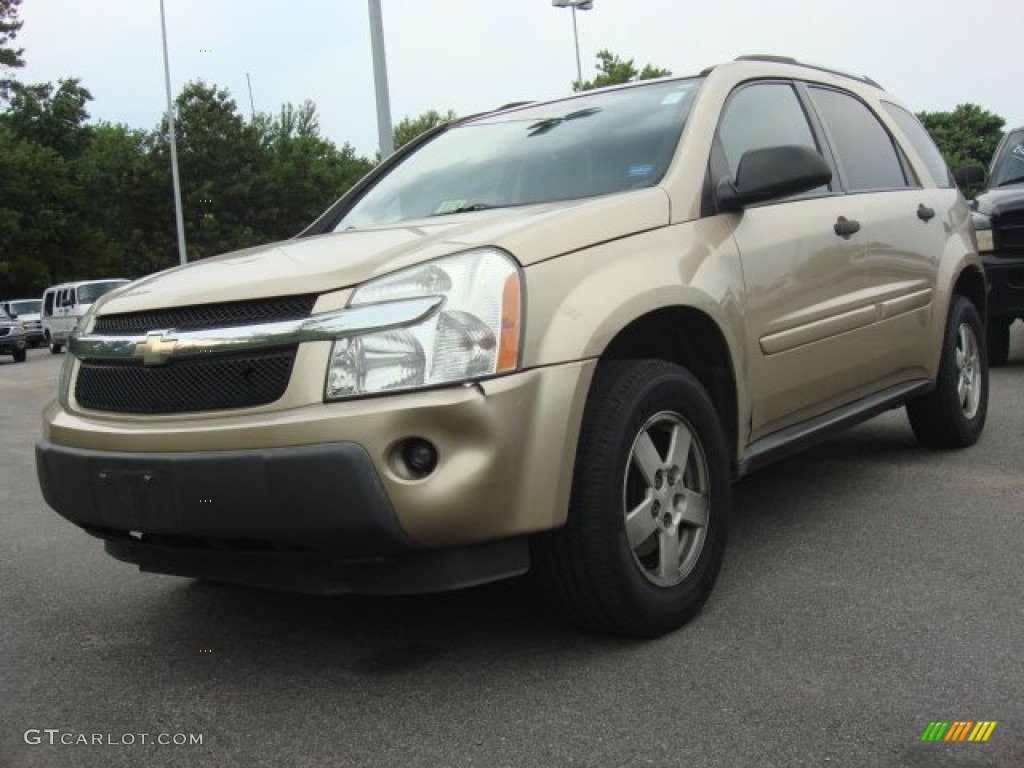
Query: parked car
<point x="549" y="336"/>
<point x="12" y="337"/>
<point x="998" y="212"/>
<point x="28" y="311"/>
<point x="65" y="304"/>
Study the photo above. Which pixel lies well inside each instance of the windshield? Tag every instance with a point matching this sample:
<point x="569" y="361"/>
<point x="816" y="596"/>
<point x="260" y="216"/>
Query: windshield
<point x="1008" y="166"/>
<point x="585" y="146"/>
<point x="26" y="307"/>
<point x="87" y="294"/>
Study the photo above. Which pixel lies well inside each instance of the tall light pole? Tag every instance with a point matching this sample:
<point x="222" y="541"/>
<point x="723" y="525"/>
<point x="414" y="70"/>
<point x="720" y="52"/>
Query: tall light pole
<point x="583" y="5"/>
<point x="380" y="82"/>
<point x="182" y="253"/>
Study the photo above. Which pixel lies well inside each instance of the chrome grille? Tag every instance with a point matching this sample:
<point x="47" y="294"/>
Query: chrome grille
<point x="207" y="383"/>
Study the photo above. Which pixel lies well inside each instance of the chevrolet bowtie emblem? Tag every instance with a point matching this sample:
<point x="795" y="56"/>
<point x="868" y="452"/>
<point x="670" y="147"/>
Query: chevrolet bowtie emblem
<point x="158" y="346"/>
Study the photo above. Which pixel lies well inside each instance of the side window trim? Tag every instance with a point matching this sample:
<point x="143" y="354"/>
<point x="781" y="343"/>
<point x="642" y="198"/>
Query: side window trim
<point x="718" y="165"/>
<point x="824" y="137"/>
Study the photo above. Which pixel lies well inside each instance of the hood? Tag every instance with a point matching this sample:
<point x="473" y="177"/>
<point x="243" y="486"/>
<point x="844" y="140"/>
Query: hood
<point x="1001" y="199"/>
<point x="343" y="259"/>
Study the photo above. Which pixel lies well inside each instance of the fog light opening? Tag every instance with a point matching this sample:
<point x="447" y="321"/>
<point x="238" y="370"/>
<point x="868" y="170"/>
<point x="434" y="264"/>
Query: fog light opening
<point x="419" y="456"/>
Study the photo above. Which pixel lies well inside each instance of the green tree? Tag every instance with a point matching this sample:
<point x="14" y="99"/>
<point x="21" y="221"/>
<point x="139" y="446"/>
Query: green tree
<point x="611" y="70"/>
<point x="218" y="155"/>
<point x="45" y="233"/>
<point x="53" y="117"/>
<point x="84" y="200"/>
<point x="10" y="25"/>
<point x="125" y="202"/>
<point x="38" y="232"/>
<point x="301" y="172"/>
<point x="411" y="127"/>
<point x="968" y="135"/>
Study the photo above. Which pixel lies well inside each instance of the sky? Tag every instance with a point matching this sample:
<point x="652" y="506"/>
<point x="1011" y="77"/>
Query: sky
<point x="474" y="55"/>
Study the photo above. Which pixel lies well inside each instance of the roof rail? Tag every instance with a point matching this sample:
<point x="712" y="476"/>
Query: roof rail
<point x="790" y="60"/>
<point x="512" y="104"/>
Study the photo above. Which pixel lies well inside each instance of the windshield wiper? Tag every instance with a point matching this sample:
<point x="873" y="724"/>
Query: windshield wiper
<point x="1007" y="182"/>
<point x="464" y="209"/>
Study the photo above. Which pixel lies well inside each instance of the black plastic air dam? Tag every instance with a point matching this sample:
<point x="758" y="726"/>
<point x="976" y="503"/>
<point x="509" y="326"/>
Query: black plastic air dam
<point x="325" y="498"/>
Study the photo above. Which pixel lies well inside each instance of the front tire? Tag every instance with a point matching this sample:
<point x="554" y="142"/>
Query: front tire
<point x="953" y="414"/>
<point x="20" y="355"/>
<point x="55" y="348"/>
<point x="650" y="503"/>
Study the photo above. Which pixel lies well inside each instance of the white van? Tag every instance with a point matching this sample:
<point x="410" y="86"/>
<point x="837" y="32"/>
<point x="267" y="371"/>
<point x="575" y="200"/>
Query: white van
<point x="64" y="304"/>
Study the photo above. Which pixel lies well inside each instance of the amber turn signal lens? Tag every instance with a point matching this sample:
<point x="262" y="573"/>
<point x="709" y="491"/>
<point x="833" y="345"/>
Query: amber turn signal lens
<point x="511" y="305"/>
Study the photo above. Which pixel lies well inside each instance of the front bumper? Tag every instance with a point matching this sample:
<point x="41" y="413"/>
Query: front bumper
<point x="312" y="519"/>
<point x="271" y="490"/>
<point x="1006" y="278"/>
<point x="311" y="498"/>
<point x="33" y="332"/>
<point x="11" y="343"/>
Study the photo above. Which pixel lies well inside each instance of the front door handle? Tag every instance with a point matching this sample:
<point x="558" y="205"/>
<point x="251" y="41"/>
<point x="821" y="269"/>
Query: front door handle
<point x="924" y="213"/>
<point x="846" y="227"/>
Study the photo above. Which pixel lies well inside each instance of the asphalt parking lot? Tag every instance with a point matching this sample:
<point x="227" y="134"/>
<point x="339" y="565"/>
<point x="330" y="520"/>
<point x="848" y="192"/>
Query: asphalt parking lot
<point x="870" y="587"/>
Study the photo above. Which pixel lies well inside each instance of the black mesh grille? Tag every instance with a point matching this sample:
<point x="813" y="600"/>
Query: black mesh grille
<point x="1008" y="231"/>
<point x="204" y="316"/>
<point x="202" y="384"/>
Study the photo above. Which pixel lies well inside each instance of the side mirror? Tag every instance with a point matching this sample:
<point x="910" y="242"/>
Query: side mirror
<point x="771" y="173"/>
<point x="968" y="177"/>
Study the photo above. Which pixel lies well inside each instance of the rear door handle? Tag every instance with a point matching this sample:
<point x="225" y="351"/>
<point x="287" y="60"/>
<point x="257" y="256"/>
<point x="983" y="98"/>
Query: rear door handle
<point x="924" y="213"/>
<point x="846" y="227"/>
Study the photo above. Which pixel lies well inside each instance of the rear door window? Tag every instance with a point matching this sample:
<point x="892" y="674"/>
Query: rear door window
<point x="867" y="156"/>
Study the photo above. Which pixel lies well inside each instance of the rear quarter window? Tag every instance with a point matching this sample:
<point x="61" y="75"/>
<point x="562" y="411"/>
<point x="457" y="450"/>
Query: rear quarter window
<point x="922" y="142"/>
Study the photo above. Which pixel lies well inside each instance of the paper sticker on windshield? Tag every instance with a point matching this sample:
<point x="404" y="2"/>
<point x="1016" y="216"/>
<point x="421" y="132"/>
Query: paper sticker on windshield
<point x="638" y="171"/>
<point x="448" y="206"/>
<point x="673" y="98"/>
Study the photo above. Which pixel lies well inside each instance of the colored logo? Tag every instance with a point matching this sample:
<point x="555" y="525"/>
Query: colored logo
<point x="959" y="730"/>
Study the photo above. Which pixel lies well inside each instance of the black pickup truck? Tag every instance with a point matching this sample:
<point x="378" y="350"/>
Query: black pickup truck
<point x="998" y="212"/>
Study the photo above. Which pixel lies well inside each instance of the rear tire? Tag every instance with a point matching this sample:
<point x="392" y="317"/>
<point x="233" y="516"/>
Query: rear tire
<point x="55" y="348"/>
<point x="953" y="414"/>
<point x="650" y="503"/>
<point x="997" y="339"/>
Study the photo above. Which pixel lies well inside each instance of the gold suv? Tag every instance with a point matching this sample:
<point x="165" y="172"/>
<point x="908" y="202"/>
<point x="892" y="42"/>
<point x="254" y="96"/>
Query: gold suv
<point x="551" y="335"/>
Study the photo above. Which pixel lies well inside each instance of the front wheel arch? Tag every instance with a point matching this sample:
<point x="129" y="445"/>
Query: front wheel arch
<point x="610" y="567"/>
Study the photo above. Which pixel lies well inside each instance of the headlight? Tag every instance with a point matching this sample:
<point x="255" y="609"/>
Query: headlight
<point x="982" y="231"/>
<point x="475" y="334"/>
<point x="984" y="240"/>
